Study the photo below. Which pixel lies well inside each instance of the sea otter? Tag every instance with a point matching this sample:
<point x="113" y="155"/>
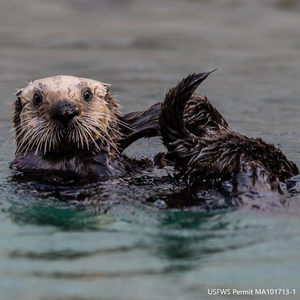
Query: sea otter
<point x="70" y="124"/>
<point x="203" y="146"/>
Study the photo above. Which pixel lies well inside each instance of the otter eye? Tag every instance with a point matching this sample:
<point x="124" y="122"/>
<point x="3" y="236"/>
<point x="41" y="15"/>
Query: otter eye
<point x="37" y="99"/>
<point x="87" y="96"/>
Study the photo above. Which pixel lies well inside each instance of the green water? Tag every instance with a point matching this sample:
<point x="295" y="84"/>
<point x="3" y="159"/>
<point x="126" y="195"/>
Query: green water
<point x="110" y="242"/>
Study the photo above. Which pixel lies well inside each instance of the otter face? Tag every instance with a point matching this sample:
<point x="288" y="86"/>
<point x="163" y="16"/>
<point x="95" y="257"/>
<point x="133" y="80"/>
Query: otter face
<point x="62" y="112"/>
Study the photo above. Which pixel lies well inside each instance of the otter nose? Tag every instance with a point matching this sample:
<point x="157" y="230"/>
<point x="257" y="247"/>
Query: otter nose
<point x="64" y="111"/>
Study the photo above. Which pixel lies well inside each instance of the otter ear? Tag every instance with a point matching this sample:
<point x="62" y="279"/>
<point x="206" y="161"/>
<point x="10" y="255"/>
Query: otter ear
<point x="18" y="108"/>
<point x="106" y="86"/>
<point x="18" y="103"/>
<point x="16" y="116"/>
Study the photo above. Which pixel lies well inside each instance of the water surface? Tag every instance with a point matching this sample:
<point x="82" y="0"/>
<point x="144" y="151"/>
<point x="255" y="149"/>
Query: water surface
<point x="111" y="241"/>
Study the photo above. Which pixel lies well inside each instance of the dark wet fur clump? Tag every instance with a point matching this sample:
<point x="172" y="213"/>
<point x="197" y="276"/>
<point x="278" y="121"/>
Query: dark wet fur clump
<point x="204" y="147"/>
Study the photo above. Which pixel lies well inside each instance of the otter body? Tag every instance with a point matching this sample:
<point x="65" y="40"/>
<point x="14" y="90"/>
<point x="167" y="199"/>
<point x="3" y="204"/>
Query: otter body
<point x="73" y="125"/>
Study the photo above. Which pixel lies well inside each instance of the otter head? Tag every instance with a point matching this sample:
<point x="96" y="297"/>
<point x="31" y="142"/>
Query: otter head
<point x="63" y="113"/>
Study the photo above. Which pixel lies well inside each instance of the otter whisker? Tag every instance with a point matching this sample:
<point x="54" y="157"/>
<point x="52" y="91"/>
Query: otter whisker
<point x="115" y="133"/>
<point x="86" y="133"/>
<point x="109" y="142"/>
<point x="9" y="140"/>
<point x="92" y="139"/>
<point x="23" y="127"/>
<point x="27" y="147"/>
<point x="58" y="135"/>
<point x="49" y="138"/>
<point x="98" y="131"/>
<point x="121" y="123"/>
<point x="38" y="143"/>
<point x="56" y="140"/>
<point x="33" y="141"/>
<point x="37" y="134"/>
<point x="25" y="141"/>
<point x="32" y="136"/>
<point x="80" y="138"/>
<point x="74" y="135"/>
<point x="96" y="127"/>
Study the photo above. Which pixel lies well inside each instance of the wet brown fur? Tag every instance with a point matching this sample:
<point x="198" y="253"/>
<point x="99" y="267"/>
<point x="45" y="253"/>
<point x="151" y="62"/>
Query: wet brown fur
<point x="204" y="147"/>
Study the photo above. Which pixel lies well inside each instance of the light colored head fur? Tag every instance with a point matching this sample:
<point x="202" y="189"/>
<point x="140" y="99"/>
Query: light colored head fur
<point x="62" y="112"/>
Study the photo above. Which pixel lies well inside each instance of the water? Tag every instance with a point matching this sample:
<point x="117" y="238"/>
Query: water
<point x="110" y="241"/>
